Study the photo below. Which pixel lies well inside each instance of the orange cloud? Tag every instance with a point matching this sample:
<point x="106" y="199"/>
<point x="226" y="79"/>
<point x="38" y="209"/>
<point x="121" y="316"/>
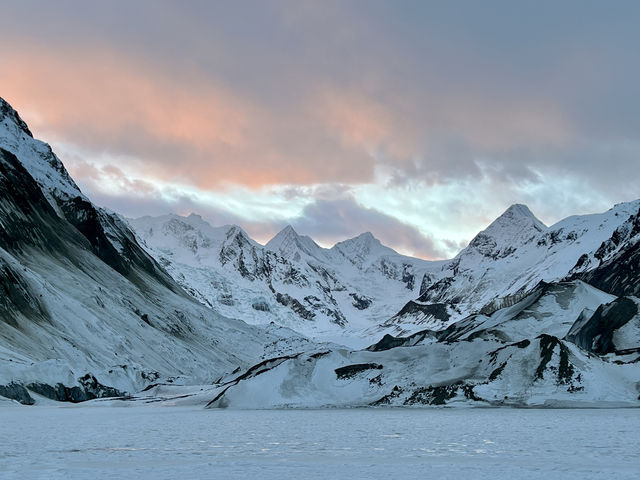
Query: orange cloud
<point x="360" y="121"/>
<point x="117" y="95"/>
<point x="188" y="129"/>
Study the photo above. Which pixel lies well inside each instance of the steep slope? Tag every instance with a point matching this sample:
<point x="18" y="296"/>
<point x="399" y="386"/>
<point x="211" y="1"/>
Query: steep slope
<point x="329" y="294"/>
<point x="618" y="271"/>
<point x="84" y="311"/>
<point x="522" y="355"/>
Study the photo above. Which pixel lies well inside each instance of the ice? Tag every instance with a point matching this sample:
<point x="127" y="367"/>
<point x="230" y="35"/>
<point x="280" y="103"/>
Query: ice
<point x="179" y="442"/>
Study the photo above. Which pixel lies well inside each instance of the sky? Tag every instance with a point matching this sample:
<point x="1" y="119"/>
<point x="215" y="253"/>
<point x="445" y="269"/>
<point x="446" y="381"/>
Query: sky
<point x="420" y="121"/>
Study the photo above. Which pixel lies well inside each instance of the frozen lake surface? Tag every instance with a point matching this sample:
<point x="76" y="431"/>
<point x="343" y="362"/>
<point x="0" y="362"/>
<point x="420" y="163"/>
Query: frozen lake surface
<point x="182" y="442"/>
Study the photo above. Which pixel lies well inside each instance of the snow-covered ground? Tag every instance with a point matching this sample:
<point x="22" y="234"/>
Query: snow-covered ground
<point x="180" y="442"/>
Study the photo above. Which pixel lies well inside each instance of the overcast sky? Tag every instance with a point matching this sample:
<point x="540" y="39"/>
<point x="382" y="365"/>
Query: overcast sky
<point x="418" y="121"/>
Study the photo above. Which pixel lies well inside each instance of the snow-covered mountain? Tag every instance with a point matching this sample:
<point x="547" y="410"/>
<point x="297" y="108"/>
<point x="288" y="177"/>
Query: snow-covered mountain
<point x="525" y="315"/>
<point x="84" y="310"/>
<point x="329" y="294"/>
<point x="564" y="344"/>
<point x="538" y="334"/>
<point x="360" y="290"/>
<point x="507" y="260"/>
<point x="508" y="321"/>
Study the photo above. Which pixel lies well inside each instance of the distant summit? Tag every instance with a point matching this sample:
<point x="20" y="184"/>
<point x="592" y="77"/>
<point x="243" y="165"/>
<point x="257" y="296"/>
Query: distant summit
<point x="292" y="246"/>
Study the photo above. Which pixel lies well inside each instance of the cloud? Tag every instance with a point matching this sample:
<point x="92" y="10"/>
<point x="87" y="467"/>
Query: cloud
<point x="188" y="129"/>
<point x="331" y="220"/>
<point x="330" y="213"/>
<point x="195" y="126"/>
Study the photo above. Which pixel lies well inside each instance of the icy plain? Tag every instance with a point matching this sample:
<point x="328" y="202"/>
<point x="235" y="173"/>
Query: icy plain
<point x="49" y="442"/>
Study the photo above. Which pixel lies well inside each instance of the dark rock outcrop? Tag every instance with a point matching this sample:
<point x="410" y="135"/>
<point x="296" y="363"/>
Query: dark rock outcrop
<point x="17" y="392"/>
<point x="595" y="333"/>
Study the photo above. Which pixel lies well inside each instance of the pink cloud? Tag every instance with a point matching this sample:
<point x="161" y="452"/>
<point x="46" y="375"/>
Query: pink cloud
<point x="190" y="129"/>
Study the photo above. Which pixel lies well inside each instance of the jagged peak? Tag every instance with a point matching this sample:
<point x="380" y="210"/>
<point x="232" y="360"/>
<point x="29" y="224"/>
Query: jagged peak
<point x="363" y="250"/>
<point x="366" y="237"/>
<point x="236" y="231"/>
<point x="519" y="210"/>
<point x="8" y="112"/>
<point x="286" y="232"/>
<point x="516" y="226"/>
<point x="38" y="158"/>
<point x="179" y="227"/>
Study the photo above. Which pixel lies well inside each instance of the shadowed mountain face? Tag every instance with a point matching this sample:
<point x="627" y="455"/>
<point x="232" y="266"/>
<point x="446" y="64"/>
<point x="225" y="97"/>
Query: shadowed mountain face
<point x="619" y="271"/>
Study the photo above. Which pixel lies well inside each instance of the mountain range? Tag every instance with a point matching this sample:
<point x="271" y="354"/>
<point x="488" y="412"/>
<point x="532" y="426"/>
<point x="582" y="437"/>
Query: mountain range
<point x="165" y="308"/>
<point x="332" y="294"/>
<point x="359" y="290"/>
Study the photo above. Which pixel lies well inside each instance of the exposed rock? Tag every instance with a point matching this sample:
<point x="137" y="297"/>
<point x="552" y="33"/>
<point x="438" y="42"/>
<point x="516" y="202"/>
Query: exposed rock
<point x="595" y="333"/>
<point x="349" y="371"/>
<point x="17" y="392"/>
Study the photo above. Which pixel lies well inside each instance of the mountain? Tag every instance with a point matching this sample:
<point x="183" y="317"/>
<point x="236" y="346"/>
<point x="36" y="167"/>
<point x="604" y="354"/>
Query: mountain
<point x="554" y="320"/>
<point x="511" y="257"/>
<point x="619" y="256"/>
<point x="328" y="294"/>
<point x="84" y="310"/>
<point x="363" y="251"/>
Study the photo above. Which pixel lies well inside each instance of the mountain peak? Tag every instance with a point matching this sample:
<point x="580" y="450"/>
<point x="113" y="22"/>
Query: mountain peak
<point x="517" y="216"/>
<point x="288" y="243"/>
<point x="288" y="230"/>
<point x="7" y="112"/>
<point x="287" y="234"/>
<point x="366" y="237"/>
<point x="518" y="210"/>
<point x="364" y="240"/>
<point x="363" y="249"/>
<point x="516" y="226"/>
<point x="37" y="157"/>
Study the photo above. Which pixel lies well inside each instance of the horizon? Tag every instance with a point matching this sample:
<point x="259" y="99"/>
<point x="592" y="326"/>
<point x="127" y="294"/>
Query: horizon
<point x="419" y="122"/>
